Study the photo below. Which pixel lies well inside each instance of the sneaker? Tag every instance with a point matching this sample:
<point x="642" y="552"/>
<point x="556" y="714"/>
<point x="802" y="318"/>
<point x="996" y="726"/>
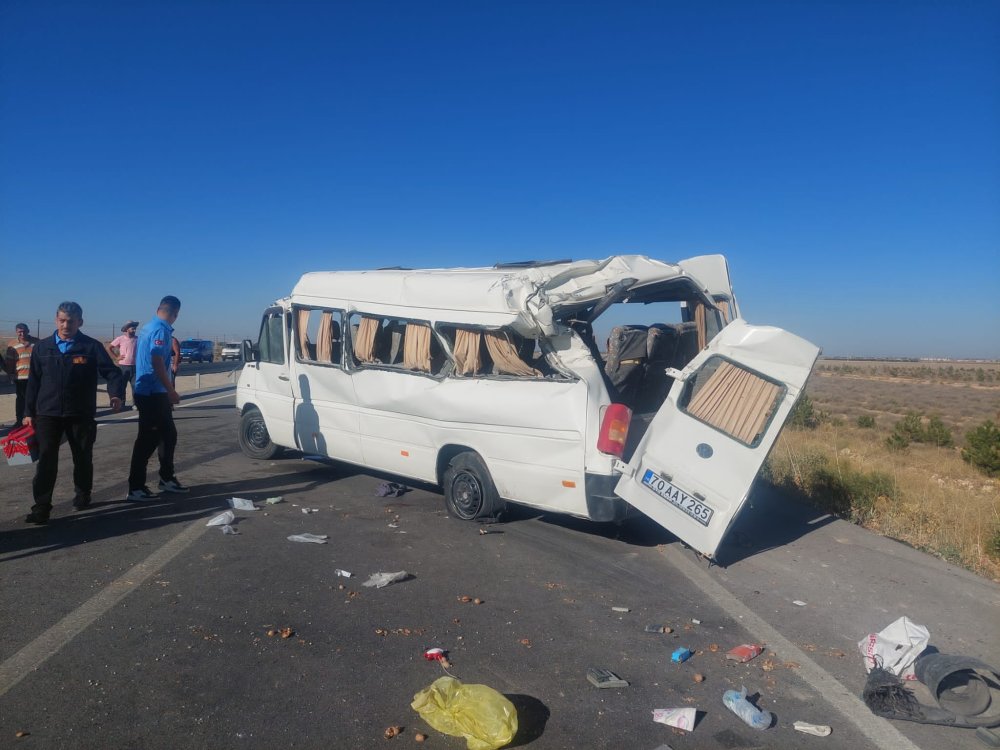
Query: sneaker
<point x="81" y="500"/>
<point x="39" y="519"/>
<point x="141" y="494"/>
<point x="172" y="485"/>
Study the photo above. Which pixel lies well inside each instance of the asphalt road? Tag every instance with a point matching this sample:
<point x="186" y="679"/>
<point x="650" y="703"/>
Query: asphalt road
<point x="136" y="626"/>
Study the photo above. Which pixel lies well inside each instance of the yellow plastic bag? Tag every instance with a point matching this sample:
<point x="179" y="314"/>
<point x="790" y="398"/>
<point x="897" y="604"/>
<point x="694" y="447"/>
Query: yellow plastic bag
<point x="479" y="713"/>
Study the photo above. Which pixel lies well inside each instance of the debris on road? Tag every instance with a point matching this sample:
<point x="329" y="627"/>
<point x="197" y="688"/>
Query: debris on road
<point x="744" y="653"/>
<point x="240" y="503"/>
<point x="283" y="632"/>
<point x="438" y="655"/>
<point x="391" y="732"/>
<point x="21" y="734"/>
<point x="817" y="730"/>
<point x="736" y="701"/>
<point x="381" y="580"/>
<point x="605" y="678"/>
<point x="680" y="655"/>
<point x="227" y="529"/>
<point x="223" y="519"/>
<point x="391" y="489"/>
<point x="275" y="500"/>
<point x="343" y="573"/>
<point x="313" y="538"/>
<point x="713" y="647"/>
<point x="653" y="629"/>
<point x="419" y="737"/>
<point x="307" y="511"/>
<point x="696" y="622"/>
<point x="895" y="647"/>
<point x="620" y="609"/>
<point x="964" y="692"/>
<point x="698" y="677"/>
<point x="987" y="737"/>
<point x="679" y="718"/>
<point x="799" y="603"/>
<point x="480" y="714"/>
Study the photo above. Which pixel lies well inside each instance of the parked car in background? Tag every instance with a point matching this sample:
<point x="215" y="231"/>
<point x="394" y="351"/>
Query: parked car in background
<point x="231" y="350"/>
<point x="197" y="350"/>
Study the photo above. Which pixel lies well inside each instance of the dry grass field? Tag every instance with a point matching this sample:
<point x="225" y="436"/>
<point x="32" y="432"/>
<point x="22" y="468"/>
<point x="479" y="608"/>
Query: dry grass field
<point x="924" y="495"/>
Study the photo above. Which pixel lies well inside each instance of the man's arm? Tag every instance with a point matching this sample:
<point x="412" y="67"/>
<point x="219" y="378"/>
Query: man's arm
<point x="110" y="372"/>
<point x="160" y="369"/>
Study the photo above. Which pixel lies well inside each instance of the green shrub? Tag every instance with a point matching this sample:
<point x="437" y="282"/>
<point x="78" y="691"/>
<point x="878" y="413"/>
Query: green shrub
<point x="982" y="448"/>
<point x="866" y="421"/>
<point x="910" y="427"/>
<point x="897" y="442"/>
<point x="937" y="434"/>
<point x="804" y="414"/>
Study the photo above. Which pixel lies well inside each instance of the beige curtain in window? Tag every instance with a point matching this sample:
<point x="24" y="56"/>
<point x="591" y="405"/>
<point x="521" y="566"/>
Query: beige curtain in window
<point x="468" y="360"/>
<point x="303" y="340"/>
<point x="723" y="306"/>
<point x="503" y="350"/>
<point x="364" y="347"/>
<point x="699" y="321"/>
<point x="417" y="347"/>
<point x="324" y="346"/>
<point x="736" y="401"/>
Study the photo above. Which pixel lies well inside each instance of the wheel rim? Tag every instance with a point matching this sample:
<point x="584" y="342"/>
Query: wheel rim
<point x="467" y="494"/>
<point x="256" y="434"/>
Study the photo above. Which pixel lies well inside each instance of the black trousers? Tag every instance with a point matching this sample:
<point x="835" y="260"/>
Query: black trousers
<point x="20" y="389"/>
<point x="81" y="432"/>
<point x="156" y="429"/>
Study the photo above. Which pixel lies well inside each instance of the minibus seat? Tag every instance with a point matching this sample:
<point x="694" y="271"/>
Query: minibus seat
<point x="626" y="361"/>
<point x="661" y="344"/>
<point x="687" y="344"/>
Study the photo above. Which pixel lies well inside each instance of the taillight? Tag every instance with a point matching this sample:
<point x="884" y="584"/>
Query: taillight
<point x="614" y="430"/>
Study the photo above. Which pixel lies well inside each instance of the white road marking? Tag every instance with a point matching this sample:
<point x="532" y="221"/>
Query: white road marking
<point x="128" y="416"/>
<point x="48" y="644"/>
<point x="878" y="730"/>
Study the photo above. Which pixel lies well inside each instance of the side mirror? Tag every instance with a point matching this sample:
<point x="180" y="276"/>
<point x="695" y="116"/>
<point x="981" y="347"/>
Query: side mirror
<point x="250" y="353"/>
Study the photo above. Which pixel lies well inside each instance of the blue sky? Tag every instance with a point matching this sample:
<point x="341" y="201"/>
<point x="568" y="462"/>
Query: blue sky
<point x="845" y="156"/>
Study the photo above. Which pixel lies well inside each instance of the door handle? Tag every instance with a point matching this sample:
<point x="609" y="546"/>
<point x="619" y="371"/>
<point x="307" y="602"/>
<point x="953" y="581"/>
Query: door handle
<point x="283" y="377"/>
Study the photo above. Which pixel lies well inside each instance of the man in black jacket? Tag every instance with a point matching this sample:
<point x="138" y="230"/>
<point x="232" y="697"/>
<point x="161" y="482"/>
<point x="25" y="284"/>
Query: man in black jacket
<point x="62" y="399"/>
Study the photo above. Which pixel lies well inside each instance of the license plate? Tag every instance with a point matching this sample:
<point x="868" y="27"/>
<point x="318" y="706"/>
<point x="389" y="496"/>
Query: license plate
<point x="678" y="498"/>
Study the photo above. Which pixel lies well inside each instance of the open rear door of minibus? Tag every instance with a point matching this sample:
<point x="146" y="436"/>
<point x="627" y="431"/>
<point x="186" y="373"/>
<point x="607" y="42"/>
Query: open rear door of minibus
<point x="694" y="467"/>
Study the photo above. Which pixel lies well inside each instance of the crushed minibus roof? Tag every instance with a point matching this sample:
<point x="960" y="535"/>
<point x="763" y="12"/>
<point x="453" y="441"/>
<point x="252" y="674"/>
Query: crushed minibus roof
<point x="529" y="298"/>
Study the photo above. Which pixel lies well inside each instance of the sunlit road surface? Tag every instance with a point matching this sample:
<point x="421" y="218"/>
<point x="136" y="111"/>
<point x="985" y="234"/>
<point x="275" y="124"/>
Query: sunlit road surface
<point x="137" y="626"/>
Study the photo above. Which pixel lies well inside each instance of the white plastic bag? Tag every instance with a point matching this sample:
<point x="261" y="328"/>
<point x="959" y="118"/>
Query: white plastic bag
<point x="381" y="580"/>
<point x="895" y="647"/>
<point x="223" y="519"/>
<point x="241" y="503"/>
<point x="309" y="538"/>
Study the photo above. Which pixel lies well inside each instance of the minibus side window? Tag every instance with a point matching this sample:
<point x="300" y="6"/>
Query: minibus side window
<point x="317" y="335"/>
<point x="271" y="343"/>
<point x="396" y="343"/>
<point x="482" y="352"/>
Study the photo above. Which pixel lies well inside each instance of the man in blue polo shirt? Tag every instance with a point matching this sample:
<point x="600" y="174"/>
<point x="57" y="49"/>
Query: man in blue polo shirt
<point x="155" y="397"/>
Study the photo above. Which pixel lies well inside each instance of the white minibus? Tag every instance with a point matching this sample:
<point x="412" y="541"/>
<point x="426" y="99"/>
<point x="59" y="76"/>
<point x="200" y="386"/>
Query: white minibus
<point x="586" y="387"/>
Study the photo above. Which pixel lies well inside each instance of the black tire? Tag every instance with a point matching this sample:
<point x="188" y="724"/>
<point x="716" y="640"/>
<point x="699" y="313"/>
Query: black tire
<point x="469" y="492"/>
<point x="255" y="442"/>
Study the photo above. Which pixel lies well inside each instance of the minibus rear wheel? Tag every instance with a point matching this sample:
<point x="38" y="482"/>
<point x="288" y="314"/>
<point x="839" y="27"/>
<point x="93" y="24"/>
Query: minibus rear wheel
<point x="254" y="438"/>
<point x="469" y="492"/>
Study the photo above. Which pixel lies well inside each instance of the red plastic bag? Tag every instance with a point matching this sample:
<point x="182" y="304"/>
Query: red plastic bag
<point x="20" y="446"/>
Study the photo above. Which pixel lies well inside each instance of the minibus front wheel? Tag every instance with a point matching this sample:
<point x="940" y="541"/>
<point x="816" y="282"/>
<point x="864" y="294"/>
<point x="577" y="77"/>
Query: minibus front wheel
<point x="255" y="441"/>
<point x="469" y="492"/>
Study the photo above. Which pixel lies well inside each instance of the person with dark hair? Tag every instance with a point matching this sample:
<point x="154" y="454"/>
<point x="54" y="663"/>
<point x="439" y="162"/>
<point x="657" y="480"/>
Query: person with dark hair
<point x="16" y="361"/>
<point x="155" y="396"/>
<point x="62" y="400"/>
